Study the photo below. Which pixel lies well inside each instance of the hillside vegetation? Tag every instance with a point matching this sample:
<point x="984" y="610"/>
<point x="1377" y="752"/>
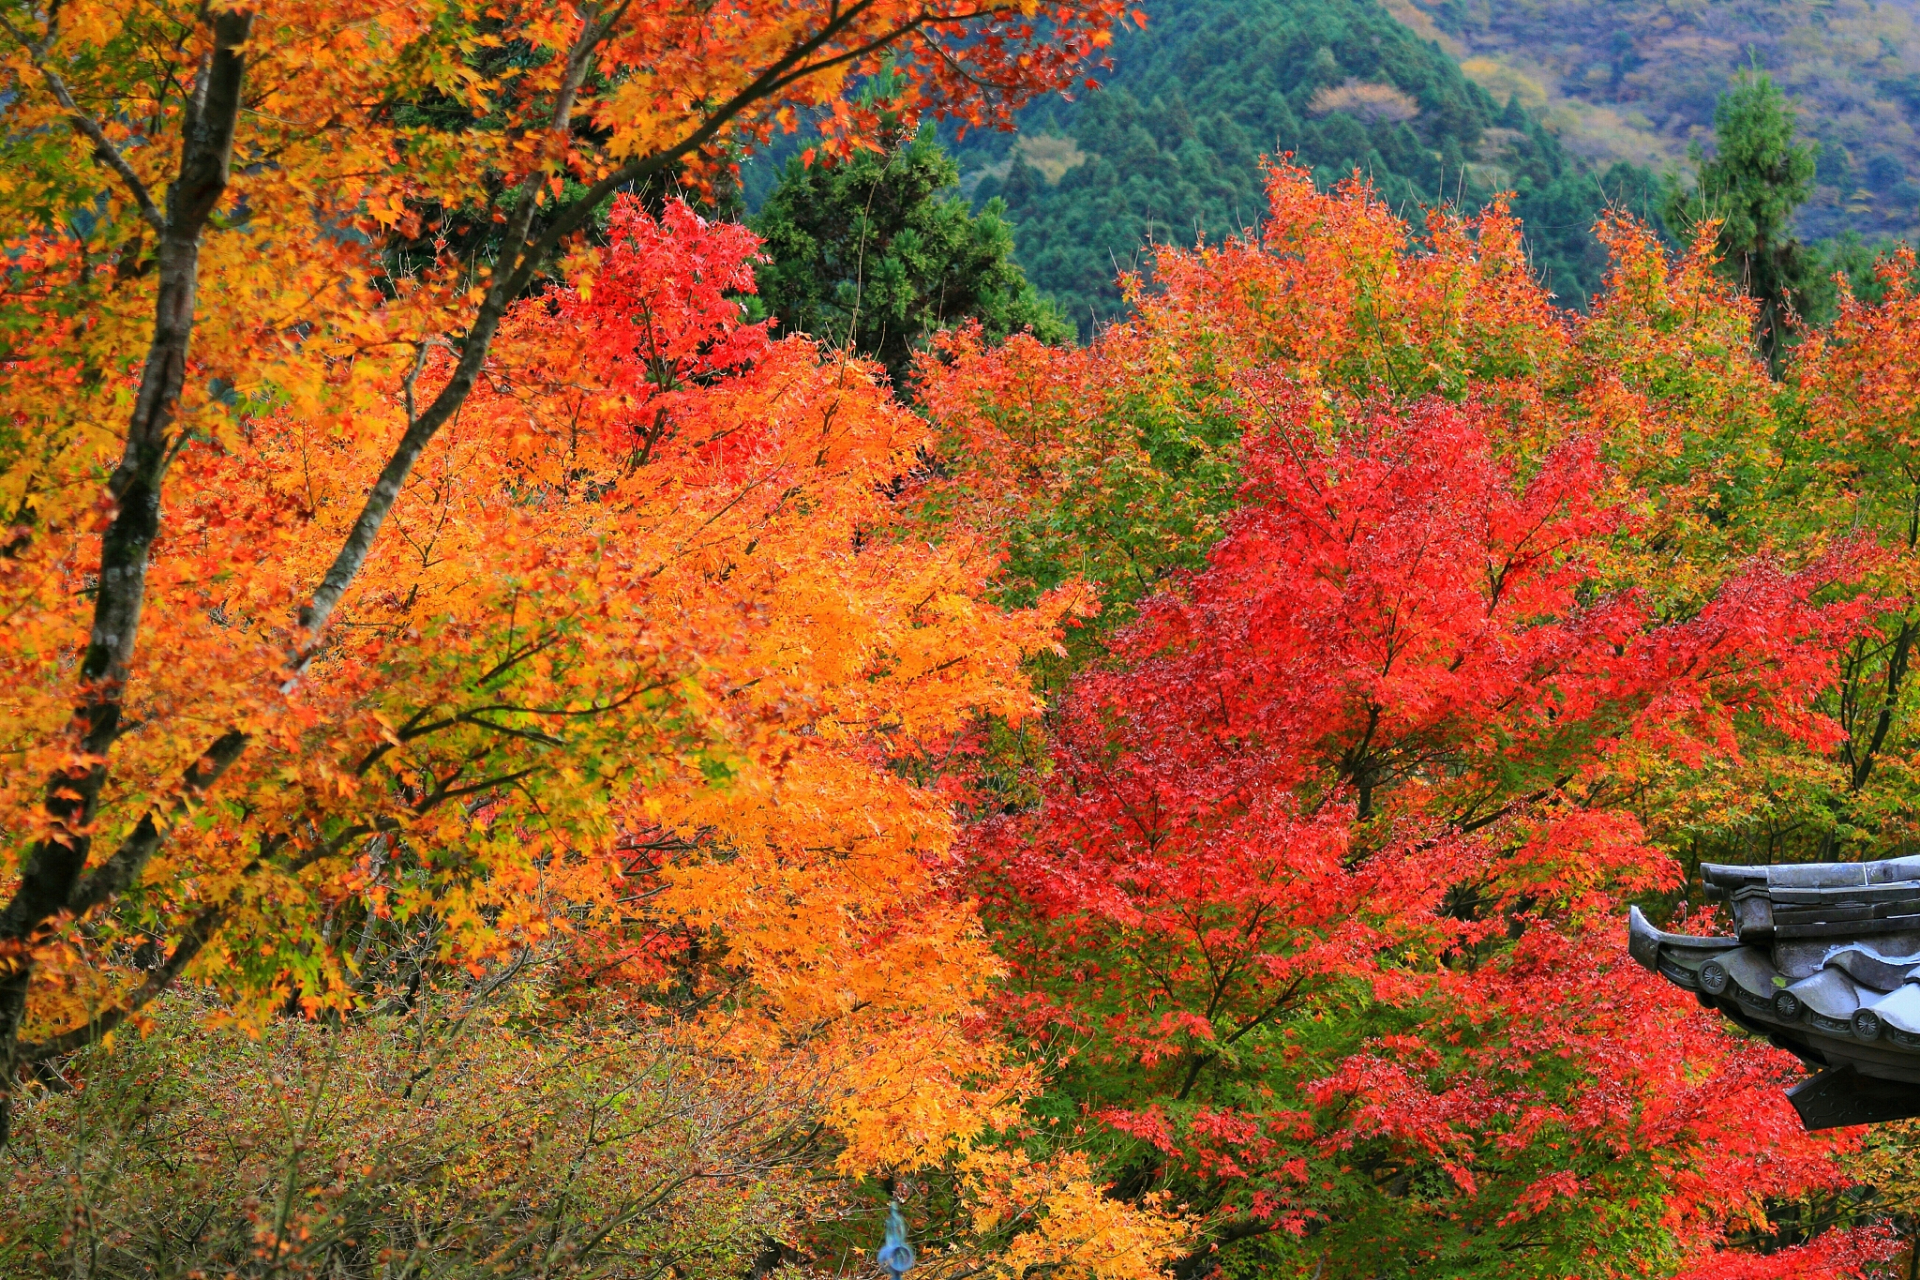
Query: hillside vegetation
<point x="1636" y="80"/>
<point x="1169" y="151"/>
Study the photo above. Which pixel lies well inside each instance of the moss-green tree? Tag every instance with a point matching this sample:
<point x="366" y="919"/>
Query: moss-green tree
<point x="879" y="253"/>
<point x="1756" y="181"/>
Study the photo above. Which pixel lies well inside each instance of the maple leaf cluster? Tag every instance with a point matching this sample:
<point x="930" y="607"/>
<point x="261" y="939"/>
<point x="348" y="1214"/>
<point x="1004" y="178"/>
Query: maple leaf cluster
<point x="1454" y="618"/>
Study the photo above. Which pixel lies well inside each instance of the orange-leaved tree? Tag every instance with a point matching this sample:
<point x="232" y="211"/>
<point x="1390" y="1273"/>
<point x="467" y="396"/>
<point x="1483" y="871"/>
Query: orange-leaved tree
<point x="648" y="667"/>
<point x="218" y="394"/>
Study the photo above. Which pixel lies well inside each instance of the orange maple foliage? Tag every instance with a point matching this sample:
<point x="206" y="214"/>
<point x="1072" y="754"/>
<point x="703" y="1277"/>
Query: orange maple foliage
<point x="639" y="667"/>
<point x="558" y="653"/>
<point x="261" y="199"/>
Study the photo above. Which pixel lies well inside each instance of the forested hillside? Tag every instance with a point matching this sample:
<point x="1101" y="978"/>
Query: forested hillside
<point x="1637" y="80"/>
<point x="1169" y="150"/>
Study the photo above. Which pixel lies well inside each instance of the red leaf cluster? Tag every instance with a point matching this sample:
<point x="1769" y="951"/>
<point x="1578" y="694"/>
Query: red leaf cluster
<point x="1321" y="899"/>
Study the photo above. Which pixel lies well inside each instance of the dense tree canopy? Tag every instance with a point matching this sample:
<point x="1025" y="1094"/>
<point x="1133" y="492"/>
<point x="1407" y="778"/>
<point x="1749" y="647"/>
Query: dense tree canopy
<point x="519" y="765"/>
<point x="276" y="342"/>
<point x="1454" y="622"/>
<point x="710" y="814"/>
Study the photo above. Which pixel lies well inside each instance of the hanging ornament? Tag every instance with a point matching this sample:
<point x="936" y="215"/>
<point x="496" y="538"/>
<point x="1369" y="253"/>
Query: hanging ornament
<point x="896" y="1255"/>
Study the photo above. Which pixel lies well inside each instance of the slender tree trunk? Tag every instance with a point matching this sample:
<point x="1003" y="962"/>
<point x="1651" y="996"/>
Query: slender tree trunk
<point x="53" y="867"/>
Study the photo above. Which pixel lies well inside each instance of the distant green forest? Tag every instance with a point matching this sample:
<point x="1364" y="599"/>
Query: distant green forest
<point x="1170" y="149"/>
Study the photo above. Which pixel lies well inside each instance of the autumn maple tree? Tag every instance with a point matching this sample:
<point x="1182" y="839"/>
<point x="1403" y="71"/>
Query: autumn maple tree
<point x="1451" y="620"/>
<point x="202" y="197"/>
<point x="634" y="676"/>
<point x="1321" y="890"/>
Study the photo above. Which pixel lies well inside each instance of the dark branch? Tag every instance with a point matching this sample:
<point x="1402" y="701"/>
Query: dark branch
<point x="122" y="871"/>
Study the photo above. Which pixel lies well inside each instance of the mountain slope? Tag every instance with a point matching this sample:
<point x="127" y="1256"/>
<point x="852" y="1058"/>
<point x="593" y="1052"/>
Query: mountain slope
<point x="1170" y="149"/>
<point x="1637" y="80"/>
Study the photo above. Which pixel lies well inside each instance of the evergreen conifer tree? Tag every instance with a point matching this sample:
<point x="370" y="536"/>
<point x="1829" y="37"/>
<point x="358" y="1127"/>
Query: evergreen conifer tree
<point x="880" y="253"/>
<point x="1756" y="181"/>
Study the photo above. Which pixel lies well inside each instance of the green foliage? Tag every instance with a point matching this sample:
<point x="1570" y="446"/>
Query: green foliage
<point x="1170" y="150"/>
<point x="1756" y="181"/>
<point x="1759" y="175"/>
<point x="875" y="253"/>
<point x="1850" y="256"/>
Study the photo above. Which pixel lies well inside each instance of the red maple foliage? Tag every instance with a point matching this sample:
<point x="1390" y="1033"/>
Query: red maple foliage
<point x="1319" y="911"/>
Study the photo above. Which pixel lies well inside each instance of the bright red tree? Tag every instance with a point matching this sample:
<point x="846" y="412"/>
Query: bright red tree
<point x="1319" y="912"/>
